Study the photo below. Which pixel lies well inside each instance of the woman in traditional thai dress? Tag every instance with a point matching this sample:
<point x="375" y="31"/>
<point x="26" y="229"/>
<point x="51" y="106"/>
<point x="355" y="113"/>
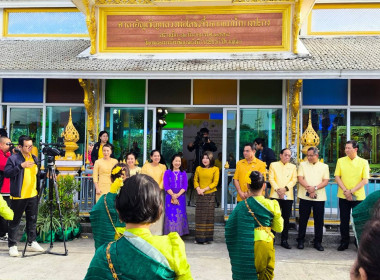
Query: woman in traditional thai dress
<point x="102" y="172"/>
<point x="156" y="170"/>
<point x="249" y="237"/>
<point x="175" y="185"/>
<point x="131" y="162"/>
<point x="206" y="179"/>
<point x="139" y="254"/>
<point x="105" y="222"/>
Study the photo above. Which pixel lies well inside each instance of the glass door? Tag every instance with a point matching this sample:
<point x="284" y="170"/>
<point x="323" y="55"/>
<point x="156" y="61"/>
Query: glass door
<point x="25" y="121"/>
<point x="230" y="156"/>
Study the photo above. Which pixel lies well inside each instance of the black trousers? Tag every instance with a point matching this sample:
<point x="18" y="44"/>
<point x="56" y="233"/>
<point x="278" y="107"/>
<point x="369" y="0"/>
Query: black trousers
<point x="19" y="206"/>
<point x="286" y="211"/>
<point x="305" y="207"/>
<point x="345" y="207"/>
<point x="3" y="222"/>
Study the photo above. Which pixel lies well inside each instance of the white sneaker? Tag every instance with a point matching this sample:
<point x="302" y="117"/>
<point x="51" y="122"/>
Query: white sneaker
<point x="35" y="247"/>
<point x="13" y="252"/>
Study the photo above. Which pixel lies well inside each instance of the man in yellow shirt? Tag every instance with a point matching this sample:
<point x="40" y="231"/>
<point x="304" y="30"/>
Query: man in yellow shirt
<point x="283" y="177"/>
<point x="313" y="177"/>
<point x="351" y="174"/>
<point x="248" y="164"/>
<point x="22" y="170"/>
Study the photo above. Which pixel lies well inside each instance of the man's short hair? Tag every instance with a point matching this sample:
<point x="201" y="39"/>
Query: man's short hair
<point x="283" y="150"/>
<point x="260" y="141"/>
<point x="204" y="130"/>
<point x="314" y="149"/>
<point x="24" y="138"/>
<point x="354" y="144"/>
<point x="252" y="145"/>
<point x="3" y="139"/>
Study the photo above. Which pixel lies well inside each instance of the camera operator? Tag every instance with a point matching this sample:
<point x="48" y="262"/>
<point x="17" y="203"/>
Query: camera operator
<point x="22" y="170"/>
<point x="201" y="144"/>
<point x="5" y="145"/>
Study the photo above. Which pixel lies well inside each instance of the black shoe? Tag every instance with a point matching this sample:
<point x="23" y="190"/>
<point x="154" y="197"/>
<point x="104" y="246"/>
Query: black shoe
<point x="343" y="246"/>
<point x="319" y="247"/>
<point x="300" y="245"/>
<point x="285" y="244"/>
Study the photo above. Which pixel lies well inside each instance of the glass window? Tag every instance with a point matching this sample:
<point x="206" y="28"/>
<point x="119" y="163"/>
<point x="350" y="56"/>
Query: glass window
<point x="215" y="92"/>
<point x="263" y="123"/>
<point x="365" y="92"/>
<point x="365" y="129"/>
<point x="26" y="121"/>
<point x="169" y="92"/>
<point x="125" y="91"/>
<point x="325" y="92"/>
<point x="57" y="118"/>
<point x="70" y="22"/>
<point x="260" y="92"/>
<point x="330" y="125"/>
<point x="23" y="90"/>
<point x="64" y="91"/>
<point x="126" y="130"/>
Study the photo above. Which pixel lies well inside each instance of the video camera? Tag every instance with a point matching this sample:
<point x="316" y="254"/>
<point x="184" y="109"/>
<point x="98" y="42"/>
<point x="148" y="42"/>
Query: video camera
<point x="199" y="139"/>
<point x="52" y="150"/>
<point x="12" y="148"/>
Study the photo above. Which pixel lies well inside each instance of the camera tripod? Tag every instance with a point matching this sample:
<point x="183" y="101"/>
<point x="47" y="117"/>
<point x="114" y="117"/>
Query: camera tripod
<point x="51" y="177"/>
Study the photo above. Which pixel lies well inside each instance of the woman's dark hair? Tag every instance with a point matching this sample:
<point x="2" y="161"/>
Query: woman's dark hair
<point x="107" y="146"/>
<point x="210" y="156"/>
<point x="257" y="181"/>
<point x="368" y="253"/>
<point x="124" y="168"/>
<point x="171" y="162"/>
<point x="139" y="200"/>
<point x="101" y="133"/>
<point x="130" y="153"/>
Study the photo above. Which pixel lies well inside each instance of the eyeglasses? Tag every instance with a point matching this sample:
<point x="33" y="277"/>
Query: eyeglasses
<point x="28" y="147"/>
<point x="9" y="144"/>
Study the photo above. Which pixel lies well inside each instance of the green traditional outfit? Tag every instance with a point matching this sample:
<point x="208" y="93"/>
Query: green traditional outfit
<point x="363" y="213"/>
<point x="249" y="238"/>
<point x="141" y="255"/>
<point x="102" y="227"/>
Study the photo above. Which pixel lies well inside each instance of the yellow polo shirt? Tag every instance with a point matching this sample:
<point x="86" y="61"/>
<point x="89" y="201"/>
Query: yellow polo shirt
<point x="29" y="183"/>
<point x="352" y="172"/>
<point x="243" y="167"/>
<point x="281" y="176"/>
<point x="314" y="174"/>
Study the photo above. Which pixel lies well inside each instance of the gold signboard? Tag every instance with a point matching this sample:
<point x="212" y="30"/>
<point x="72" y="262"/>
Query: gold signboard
<point x="195" y="29"/>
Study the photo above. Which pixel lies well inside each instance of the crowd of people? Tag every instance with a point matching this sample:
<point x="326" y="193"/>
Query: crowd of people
<point x="140" y="213"/>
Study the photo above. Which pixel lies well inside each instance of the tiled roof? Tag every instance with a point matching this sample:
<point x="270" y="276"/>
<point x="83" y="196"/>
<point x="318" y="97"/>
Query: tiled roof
<point x="331" y="57"/>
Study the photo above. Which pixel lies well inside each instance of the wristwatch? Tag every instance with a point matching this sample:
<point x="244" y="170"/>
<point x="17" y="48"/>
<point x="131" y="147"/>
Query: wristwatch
<point x="316" y="188"/>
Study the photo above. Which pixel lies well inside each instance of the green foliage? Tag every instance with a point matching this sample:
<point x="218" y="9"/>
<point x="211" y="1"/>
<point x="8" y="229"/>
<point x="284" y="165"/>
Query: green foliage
<point x="68" y="186"/>
<point x="172" y="143"/>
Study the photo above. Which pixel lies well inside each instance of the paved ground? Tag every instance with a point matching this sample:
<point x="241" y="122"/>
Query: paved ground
<point x="207" y="262"/>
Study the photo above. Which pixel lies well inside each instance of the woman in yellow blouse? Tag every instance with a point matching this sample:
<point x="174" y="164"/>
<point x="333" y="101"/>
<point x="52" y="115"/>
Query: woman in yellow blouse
<point x="156" y="170"/>
<point x="139" y="254"/>
<point x="205" y="181"/>
<point x="131" y="162"/>
<point x="102" y="172"/>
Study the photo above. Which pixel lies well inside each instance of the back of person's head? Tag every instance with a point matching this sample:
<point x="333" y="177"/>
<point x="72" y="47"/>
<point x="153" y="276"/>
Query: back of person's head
<point x="3" y="132"/>
<point x="257" y="181"/>
<point x="369" y="251"/>
<point x="118" y="170"/>
<point x="23" y="138"/>
<point x="139" y="200"/>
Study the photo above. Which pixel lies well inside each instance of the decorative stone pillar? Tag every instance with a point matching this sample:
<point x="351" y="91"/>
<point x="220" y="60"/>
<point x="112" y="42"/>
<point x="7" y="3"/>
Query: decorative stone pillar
<point x="293" y="105"/>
